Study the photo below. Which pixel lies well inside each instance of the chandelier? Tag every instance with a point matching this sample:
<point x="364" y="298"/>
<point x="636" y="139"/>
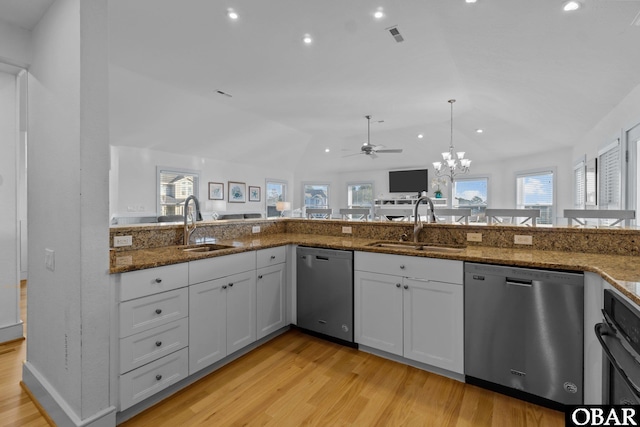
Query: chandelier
<point x="452" y="165"/>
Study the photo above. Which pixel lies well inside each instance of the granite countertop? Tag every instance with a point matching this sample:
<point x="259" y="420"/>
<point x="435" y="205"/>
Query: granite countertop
<point x="623" y="272"/>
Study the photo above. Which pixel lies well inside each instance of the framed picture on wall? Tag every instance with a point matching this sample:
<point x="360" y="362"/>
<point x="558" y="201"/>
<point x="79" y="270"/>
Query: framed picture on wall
<point x="216" y="191"/>
<point x="254" y="194"/>
<point x="237" y="192"/>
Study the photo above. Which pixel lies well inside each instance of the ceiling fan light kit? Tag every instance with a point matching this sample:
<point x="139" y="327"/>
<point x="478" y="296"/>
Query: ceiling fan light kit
<point x="454" y="164"/>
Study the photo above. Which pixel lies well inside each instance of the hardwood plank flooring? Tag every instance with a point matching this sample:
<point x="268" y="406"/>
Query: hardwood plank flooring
<point x="297" y="380"/>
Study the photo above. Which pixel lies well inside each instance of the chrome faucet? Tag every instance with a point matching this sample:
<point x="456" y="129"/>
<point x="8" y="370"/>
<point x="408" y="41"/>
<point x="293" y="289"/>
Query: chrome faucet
<point x="189" y="229"/>
<point x="417" y="222"/>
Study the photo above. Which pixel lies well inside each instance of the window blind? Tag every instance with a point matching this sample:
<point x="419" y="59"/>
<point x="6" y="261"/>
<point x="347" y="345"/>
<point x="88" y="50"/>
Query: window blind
<point x="609" y="195"/>
<point x="579" y="187"/>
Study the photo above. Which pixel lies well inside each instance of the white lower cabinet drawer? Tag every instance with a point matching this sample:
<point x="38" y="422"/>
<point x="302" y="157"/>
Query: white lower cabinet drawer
<point x="141" y="383"/>
<point x="146" y="313"/>
<point x="140" y="349"/>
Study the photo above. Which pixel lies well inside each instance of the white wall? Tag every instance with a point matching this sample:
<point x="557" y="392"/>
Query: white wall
<point x="67" y="364"/>
<point x="14" y="45"/>
<point x="133" y="187"/>
<point x="10" y="323"/>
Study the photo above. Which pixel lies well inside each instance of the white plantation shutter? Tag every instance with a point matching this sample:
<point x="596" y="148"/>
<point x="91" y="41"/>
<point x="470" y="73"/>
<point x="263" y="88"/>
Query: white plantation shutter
<point x="609" y="169"/>
<point x="579" y="188"/>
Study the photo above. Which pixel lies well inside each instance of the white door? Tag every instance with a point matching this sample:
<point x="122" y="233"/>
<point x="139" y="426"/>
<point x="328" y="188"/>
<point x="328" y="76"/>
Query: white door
<point x="433" y="323"/>
<point x="207" y="323"/>
<point x="270" y="291"/>
<point x="378" y="311"/>
<point x="241" y="310"/>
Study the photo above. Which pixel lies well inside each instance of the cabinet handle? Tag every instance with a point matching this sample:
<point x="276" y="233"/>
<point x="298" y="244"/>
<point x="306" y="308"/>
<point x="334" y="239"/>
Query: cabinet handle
<point x="260" y="276"/>
<point x="231" y="285"/>
<point x="401" y="266"/>
<point x="398" y="285"/>
<point x="158" y="280"/>
<point x="158" y="311"/>
<point x="273" y="257"/>
<point x="224" y="286"/>
<point x="158" y="377"/>
<point x="158" y="343"/>
<point x="406" y="286"/>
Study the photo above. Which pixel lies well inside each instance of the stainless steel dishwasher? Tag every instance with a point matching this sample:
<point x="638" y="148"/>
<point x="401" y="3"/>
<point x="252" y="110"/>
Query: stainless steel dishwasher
<point x="325" y="292"/>
<point x="524" y="332"/>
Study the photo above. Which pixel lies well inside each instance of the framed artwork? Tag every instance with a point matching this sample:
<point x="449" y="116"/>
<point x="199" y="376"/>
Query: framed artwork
<point x="216" y="191"/>
<point x="237" y="192"/>
<point x="254" y="194"/>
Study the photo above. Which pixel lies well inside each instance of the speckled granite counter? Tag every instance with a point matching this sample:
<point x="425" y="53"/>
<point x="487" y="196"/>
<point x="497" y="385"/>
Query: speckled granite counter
<point x="621" y="271"/>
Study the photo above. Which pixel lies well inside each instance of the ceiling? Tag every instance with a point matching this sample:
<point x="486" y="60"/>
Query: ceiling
<point x="533" y="77"/>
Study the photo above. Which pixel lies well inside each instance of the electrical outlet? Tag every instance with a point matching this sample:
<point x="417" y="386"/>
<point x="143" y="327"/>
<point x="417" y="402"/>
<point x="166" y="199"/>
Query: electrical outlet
<point x="119" y="241"/>
<point x="523" y="240"/>
<point x="255" y="229"/>
<point x="50" y="259"/>
<point x="474" y="237"/>
<point x="346" y="230"/>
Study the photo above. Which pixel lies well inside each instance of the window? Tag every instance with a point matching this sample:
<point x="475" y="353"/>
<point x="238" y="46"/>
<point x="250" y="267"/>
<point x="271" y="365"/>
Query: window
<point x="471" y="193"/>
<point x="579" y="185"/>
<point x="609" y="170"/>
<point x="535" y="191"/>
<point x="174" y="186"/>
<point x="360" y="194"/>
<point x="276" y="192"/>
<point x="315" y="195"/>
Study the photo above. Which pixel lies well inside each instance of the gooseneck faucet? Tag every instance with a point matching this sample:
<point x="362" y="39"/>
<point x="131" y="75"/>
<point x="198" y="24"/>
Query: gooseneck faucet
<point x="417" y="222"/>
<point x="190" y="228"/>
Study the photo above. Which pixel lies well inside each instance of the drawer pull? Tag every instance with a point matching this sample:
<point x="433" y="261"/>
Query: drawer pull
<point x="158" y="280"/>
<point x="273" y="257"/>
<point x="260" y="276"/>
<point x="158" y="343"/>
<point x="231" y="285"/>
<point x="158" y="310"/>
<point x="158" y="377"/>
<point x="402" y="267"/>
<point x="398" y="285"/>
<point x="406" y="286"/>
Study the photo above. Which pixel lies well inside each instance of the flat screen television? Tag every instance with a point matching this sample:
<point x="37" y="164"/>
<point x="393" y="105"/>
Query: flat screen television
<point x="408" y="181"/>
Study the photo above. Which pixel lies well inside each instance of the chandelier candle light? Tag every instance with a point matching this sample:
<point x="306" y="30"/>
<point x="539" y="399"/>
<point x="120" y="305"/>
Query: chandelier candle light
<point x="454" y="165"/>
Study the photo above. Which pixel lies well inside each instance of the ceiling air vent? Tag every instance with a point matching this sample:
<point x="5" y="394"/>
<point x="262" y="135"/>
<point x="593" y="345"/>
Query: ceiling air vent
<point x="396" y="34"/>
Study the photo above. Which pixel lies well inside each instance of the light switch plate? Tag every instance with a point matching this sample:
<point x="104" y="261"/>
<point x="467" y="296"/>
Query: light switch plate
<point x="346" y="230"/>
<point x="119" y="241"/>
<point x="522" y="240"/>
<point x="50" y="259"/>
<point x="255" y="229"/>
<point x="474" y="237"/>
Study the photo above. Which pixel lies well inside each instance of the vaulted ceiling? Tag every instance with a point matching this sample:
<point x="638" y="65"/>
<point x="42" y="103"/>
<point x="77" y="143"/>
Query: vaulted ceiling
<point x="533" y="77"/>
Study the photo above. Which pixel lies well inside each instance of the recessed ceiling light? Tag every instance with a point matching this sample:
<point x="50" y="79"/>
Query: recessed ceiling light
<point x="571" y="5"/>
<point x="470" y="1"/>
<point x="307" y="39"/>
<point x="420" y="136"/>
<point x="232" y="14"/>
<point x="479" y="130"/>
<point x="379" y="13"/>
<point x="326" y="150"/>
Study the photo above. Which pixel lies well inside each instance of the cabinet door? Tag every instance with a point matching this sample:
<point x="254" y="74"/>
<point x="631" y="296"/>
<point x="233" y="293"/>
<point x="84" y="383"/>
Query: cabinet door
<point x="241" y="310"/>
<point x="378" y="311"/>
<point x="433" y="323"/>
<point x="207" y="323"/>
<point x="270" y="288"/>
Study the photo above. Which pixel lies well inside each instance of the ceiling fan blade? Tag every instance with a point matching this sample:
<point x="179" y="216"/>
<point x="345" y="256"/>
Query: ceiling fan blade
<point x="373" y="155"/>
<point x="351" y="155"/>
<point x="390" y="150"/>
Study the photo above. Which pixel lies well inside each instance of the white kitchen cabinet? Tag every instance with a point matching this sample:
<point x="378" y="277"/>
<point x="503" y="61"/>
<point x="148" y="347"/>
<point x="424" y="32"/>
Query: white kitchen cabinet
<point x="222" y="311"/>
<point x="271" y="300"/>
<point x="417" y="312"/>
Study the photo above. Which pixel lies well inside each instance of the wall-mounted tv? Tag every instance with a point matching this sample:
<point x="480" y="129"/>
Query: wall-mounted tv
<point x="408" y="181"/>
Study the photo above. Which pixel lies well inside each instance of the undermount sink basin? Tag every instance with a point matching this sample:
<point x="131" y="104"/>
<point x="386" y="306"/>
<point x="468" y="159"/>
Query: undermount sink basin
<point x="419" y="247"/>
<point x="207" y="247"/>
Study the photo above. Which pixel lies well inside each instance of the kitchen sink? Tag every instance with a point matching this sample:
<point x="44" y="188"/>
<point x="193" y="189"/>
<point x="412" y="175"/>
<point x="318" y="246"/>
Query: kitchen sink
<point x="206" y="247"/>
<point x="418" y="247"/>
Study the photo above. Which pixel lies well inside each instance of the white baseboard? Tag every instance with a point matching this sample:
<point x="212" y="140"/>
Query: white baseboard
<point x="56" y="407"/>
<point x="11" y="332"/>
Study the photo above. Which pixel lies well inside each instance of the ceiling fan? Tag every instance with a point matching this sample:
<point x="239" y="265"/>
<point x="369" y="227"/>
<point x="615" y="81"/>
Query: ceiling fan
<point x="371" y="150"/>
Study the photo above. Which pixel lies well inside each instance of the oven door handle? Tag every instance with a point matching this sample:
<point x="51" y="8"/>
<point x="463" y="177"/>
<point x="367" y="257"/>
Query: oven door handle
<point x="601" y="330"/>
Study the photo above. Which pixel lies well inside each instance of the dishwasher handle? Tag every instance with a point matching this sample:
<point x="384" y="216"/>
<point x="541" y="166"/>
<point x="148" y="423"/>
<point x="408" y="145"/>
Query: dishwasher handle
<point x="602" y="329"/>
<point x="519" y="282"/>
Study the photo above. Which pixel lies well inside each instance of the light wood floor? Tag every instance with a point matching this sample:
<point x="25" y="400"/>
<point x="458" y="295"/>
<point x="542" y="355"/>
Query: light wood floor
<point x="297" y="380"/>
